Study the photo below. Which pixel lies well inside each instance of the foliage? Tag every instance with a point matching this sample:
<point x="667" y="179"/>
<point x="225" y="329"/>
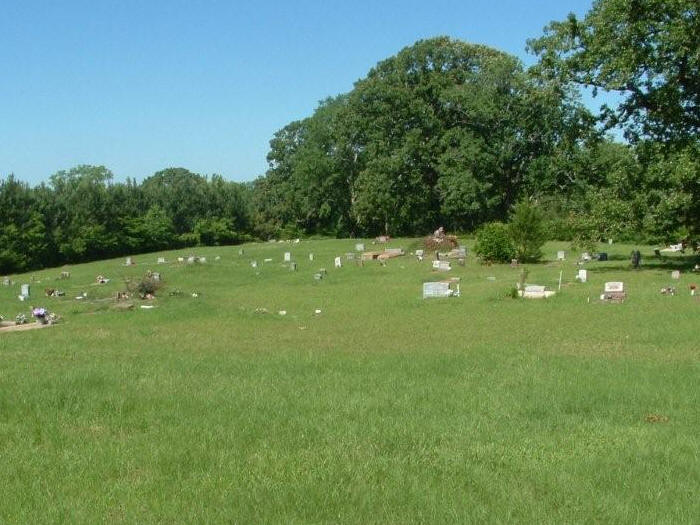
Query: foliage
<point x="647" y="51"/>
<point x="444" y="132"/>
<point x="494" y="243"/>
<point x="527" y="229"/>
<point x="82" y="215"/>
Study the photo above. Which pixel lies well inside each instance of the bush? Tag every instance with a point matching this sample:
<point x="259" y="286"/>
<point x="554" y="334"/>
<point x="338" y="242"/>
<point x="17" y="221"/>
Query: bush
<point x="528" y="231"/>
<point x="494" y="243"/>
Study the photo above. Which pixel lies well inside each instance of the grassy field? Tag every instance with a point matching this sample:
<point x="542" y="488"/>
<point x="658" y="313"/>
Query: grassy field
<point x="383" y="408"/>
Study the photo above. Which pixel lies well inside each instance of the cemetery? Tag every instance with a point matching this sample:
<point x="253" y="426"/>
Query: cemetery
<point x="348" y="334"/>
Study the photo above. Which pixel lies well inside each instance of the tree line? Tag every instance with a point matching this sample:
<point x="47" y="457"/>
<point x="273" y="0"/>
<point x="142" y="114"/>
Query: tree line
<point x="443" y="133"/>
<point x="82" y="215"/>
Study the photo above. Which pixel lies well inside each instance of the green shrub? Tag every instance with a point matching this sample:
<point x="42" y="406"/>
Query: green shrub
<point x="494" y="243"/>
<point x="528" y="231"/>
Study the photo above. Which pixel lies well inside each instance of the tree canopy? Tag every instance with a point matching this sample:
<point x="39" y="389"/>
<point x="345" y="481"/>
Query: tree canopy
<point x="648" y="51"/>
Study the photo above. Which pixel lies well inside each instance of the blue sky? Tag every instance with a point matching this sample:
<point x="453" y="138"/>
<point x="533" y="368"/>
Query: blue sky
<point x="140" y="86"/>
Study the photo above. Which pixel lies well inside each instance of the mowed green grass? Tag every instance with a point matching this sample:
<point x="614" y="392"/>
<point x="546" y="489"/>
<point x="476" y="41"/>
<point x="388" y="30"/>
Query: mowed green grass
<point x="384" y="408"/>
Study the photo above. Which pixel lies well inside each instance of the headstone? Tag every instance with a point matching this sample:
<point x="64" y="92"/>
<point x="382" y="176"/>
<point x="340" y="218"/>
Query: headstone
<point x="254" y="264"/>
<point x="311" y="256"/>
<point x="586" y="256"/>
<point x="394" y="251"/>
<point x="350" y="256"/>
<point x="180" y="259"/>
<point x="128" y="262"/>
<point x="383" y="238"/>
<point x="318" y="276"/>
<point x="636" y="258"/>
<point x="610" y="241"/>
<point x="293" y="267"/>
<point x="190" y="259"/>
<point x="156" y="277"/>
<point x="442" y="266"/>
<point x="267" y="260"/>
<point x="561" y="255"/>
<point x="360" y="247"/>
<point x="582" y="275"/>
<point x="614" y="286"/>
<point x="436" y="289"/>
<point x="675" y="274"/>
<point x="240" y="252"/>
<point x="419" y="253"/>
<point x="287" y="257"/>
<point x="202" y="259"/>
<point x="217" y="258"/>
<point x="24" y="292"/>
<point x="602" y="256"/>
<point x="338" y="262"/>
<point x="161" y="260"/>
<point x="6" y="281"/>
<point x="534" y="288"/>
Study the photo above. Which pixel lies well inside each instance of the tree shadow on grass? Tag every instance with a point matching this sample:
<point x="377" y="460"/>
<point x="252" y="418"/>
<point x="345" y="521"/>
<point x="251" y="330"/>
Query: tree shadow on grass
<point x="683" y="263"/>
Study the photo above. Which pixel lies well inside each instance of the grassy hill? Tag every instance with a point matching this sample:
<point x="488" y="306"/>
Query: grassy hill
<point x="382" y="408"/>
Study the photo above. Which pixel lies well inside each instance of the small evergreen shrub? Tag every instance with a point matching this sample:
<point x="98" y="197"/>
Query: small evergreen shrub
<point x="494" y="243"/>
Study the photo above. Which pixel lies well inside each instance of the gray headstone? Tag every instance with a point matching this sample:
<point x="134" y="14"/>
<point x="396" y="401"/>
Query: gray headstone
<point x="24" y="290"/>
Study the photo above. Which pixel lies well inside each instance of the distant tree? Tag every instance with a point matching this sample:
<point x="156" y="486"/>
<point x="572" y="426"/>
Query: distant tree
<point x="527" y="229"/>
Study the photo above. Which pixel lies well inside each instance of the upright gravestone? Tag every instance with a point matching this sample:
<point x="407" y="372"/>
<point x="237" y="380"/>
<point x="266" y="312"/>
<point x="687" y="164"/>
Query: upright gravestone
<point x="293" y="267"/>
<point x="128" y="262"/>
<point x="614" y="286"/>
<point x="350" y="256"/>
<point x="156" y="277"/>
<point x="442" y="266"/>
<point x="161" y="260"/>
<point x="240" y="252"/>
<point x="561" y="255"/>
<point x="311" y="256"/>
<point x="24" y="291"/>
<point x="254" y="264"/>
<point x="675" y="274"/>
<point x="287" y="257"/>
<point x="338" y="262"/>
<point x="6" y="281"/>
<point x="190" y="259"/>
<point x="582" y="275"/>
<point x="437" y="289"/>
<point x="360" y="247"/>
<point x="202" y="259"/>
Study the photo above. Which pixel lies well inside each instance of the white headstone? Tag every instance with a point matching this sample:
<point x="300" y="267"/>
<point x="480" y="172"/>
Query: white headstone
<point x="675" y="274"/>
<point x="582" y="275"/>
<point x="561" y="255"/>
<point x="614" y="286"/>
<point x="287" y="257"/>
<point x="24" y="290"/>
<point x="161" y="260"/>
<point x="394" y="251"/>
<point x="180" y="259"/>
<point x="240" y="252"/>
<point x="338" y="262"/>
<point x="6" y="281"/>
<point x="311" y="256"/>
<point x="442" y="266"/>
<point x="437" y="289"/>
<point x="156" y="277"/>
<point x="128" y="261"/>
<point x="254" y="264"/>
<point x="419" y="253"/>
<point x="534" y="288"/>
<point x="202" y="259"/>
<point x="190" y="259"/>
<point x="360" y="247"/>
